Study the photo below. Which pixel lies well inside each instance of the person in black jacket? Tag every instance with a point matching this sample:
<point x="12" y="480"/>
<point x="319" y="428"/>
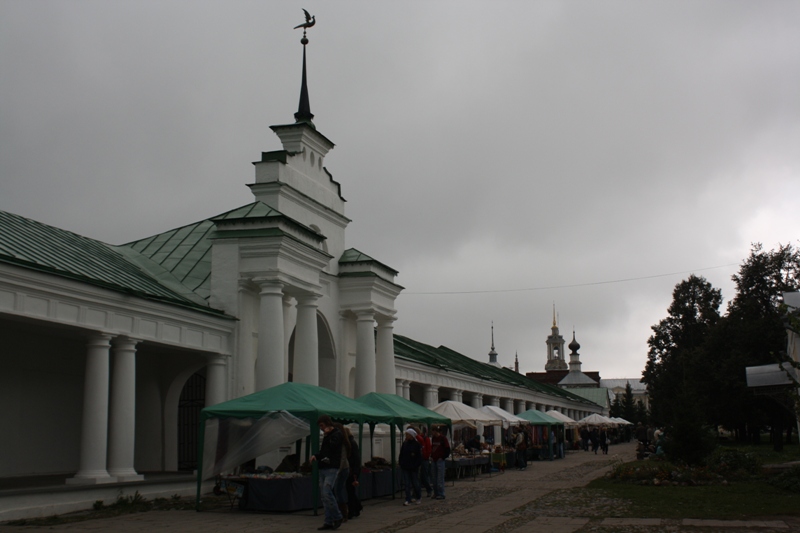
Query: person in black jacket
<point x="410" y="461"/>
<point x="329" y="459"/>
<point x="353" y="502"/>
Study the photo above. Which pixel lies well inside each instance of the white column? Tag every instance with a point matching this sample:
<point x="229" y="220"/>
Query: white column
<point x="407" y="389"/>
<point x="398" y="387"/>
<point x="365" y="353"/>
<point x="215" y="379"/>
<point x="431" y="396"/>
<point x="477" y="400"/>
<point x="94" y="428"/>
<point x="269" y="366"/>
<point x="508" y="405"/>
<point x="245" y="363"/>
<point x="520" y="406"/>
<point x="122" y="411"/>
<point x="306" y="341"/>
<point x="543" y="407"/>
<point x="496" y="401"/>
<point x="384" y="356"/>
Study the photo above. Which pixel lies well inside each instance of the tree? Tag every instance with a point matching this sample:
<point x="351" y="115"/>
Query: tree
<point x="752" y="334"/>
<point x="675" y="386"/>
<point x="676" y="345"/>
<point x="628" y="405"/>
<point x="616" y="407"/>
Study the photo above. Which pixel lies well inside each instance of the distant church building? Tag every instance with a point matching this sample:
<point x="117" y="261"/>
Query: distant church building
<point x="571" y="377"/>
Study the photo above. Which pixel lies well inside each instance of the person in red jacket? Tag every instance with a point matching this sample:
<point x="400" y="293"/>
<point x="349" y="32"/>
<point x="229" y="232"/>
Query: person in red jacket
<point x="440" y="450"/>
<point x="425" y="469"/>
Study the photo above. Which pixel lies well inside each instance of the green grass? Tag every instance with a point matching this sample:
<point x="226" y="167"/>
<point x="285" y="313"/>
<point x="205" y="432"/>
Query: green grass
<point x="735" y="501"/>
<point x="745" y="494"/>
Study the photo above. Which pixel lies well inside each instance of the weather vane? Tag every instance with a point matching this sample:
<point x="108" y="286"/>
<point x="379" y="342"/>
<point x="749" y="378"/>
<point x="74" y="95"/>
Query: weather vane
<point x="310" y="21"/>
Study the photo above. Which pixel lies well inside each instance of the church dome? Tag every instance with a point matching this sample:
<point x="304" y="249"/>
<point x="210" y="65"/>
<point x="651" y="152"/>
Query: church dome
<point x="574" y="346"/>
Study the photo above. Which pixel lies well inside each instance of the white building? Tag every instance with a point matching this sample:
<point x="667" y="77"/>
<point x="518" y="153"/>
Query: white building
<point x="109" y="351"/>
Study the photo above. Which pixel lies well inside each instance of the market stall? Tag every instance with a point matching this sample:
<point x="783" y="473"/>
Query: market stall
<point x="467" y="420"/>
<point x="234" y="432"/>
<point x="572" y="434"/>
<point x="547" y="435"/>
<point x="403" y="412"/>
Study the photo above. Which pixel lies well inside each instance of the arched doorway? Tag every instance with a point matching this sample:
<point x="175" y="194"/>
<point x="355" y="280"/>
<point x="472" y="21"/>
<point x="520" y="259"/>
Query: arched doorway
<point x="326" y="351"/>
<point x="192" y="400"/>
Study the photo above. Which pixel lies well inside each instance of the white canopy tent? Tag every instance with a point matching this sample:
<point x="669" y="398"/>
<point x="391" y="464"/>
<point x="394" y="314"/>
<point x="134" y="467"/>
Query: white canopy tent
<point x="568" y="422"/>
<point x="621" y="421"/>
<point x="596" y="420"/>
<point x="507" y="418"/>
<point x="463" y="415"/>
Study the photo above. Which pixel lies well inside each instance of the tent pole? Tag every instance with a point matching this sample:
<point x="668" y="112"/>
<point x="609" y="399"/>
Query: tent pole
<point x="393" y="434"/>
<point x="297" y="450"/>
<point x="202" y="433"/>
<point x="314" y="438"/>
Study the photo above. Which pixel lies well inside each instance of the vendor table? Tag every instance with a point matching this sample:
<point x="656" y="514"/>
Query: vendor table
<point x="292" y="494"/>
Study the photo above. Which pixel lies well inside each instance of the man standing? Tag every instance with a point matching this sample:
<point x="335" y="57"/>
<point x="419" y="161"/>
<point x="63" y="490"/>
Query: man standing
<point x="329" y="458"/>
<point x="522" y="449"/>
<point x="440" y="450"/>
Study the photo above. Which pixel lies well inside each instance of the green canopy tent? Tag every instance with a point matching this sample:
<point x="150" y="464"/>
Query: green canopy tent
<point x="307" y="402"/>
<point x="404" y="412"/>
<point x="538" y="418"/>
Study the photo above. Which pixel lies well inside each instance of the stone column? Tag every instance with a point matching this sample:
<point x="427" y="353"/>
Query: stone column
<point x="122" y="411"/>
<point x="543" y="408"/>
<point x="384" y="356"/>
<point x="245" y="364"/>
<point x="495" y="401"/>
<point x="519" y="406"/>
<point x="215" y="379"/>
<point x="94" y="428"/>
<point x="407" y="389"/>
<point x="458" y="395"/>
<point x="365" y="352"/>
<point x="398" y="387"/>
<point x="431" y="396"/>
<point x="306" y="341"/>
<point x="269" y="366"/>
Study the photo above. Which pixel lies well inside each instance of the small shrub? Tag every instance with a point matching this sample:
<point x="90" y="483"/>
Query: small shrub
<point x="788" y="479"/>
<point x="731" y="462"/>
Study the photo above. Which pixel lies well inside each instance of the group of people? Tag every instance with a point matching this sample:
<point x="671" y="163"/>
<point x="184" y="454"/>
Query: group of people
<point x="597" y="438"/>
<point x="339" y="464"/>
<point x="422" y="461"/>
<point x="650" y="441"/>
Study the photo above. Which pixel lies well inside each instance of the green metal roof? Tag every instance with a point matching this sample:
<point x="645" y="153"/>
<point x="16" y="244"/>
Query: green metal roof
<point x="185" y="252"/>
<point x="352" y="255"/>
<point x="452" y="361"/>
<point x="595" y="395"/>
<point x="37" y="246"/>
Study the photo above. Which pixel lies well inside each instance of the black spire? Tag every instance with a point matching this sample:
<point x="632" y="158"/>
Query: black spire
<point x="304" y="109"/>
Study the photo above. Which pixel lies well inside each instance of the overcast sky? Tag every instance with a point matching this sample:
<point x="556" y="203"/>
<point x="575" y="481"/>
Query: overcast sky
<point x="504" y="157"/>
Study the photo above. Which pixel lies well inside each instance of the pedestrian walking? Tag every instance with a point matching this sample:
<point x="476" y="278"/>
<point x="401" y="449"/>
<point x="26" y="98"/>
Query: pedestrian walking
<point x="329" y="459"/>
